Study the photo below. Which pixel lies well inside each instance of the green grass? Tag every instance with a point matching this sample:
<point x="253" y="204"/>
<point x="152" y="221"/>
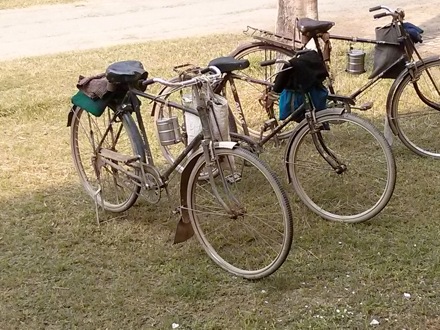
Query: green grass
<point x="59" y="269"/>
<point x="10" y="4"/>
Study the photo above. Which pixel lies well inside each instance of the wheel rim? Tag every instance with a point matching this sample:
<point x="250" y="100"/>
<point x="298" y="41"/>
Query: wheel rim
<point x="355" y="195"/>
<point x="417" y="123"/>
<point x="118" y="191"/>
<point x="175" y="94"/>
<point x="249" y="93"/>
<point x="255" y="242"/>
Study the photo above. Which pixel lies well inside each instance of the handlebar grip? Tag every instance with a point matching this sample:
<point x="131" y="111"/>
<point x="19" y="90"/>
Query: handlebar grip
<point x="205" y="70"/>
<point x="147" y="82"/>
<point x="374" y="8"/>
<point x="268" y="62"/>
<point x="380" y="15"/>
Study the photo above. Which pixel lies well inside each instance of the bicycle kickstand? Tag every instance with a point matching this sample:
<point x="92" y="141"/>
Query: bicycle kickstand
<point x="95" y="198"/>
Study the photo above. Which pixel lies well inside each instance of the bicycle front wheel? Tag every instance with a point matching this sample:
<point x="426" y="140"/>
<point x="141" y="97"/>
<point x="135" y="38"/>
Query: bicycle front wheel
<point x="112" y="187"/>
<point x="415" y="110"/>
<point x="252" y="236"/>
<point x="363" y="189"/>
<point x="250" y="91"/>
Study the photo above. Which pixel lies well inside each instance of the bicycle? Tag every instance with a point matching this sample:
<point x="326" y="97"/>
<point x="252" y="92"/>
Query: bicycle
<point x="247" y="235"/>
<point x="319" y="161"/>
<point x="413" y="101"/>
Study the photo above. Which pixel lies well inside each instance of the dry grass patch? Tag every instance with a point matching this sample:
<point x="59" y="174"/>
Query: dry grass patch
<point x="60" y="270"/>
<point x="10" y="4"/>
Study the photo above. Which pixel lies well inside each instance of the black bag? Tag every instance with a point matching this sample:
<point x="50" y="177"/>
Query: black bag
<point x="386" y="55"/>
<point x="306" y="74"/>
<point x="307" y="70"/>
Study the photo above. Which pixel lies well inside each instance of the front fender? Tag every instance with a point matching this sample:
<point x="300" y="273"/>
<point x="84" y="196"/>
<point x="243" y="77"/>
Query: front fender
<point x="184" y="181"/>
<point x="302" y="125"/>
<point x="392" y="92"/>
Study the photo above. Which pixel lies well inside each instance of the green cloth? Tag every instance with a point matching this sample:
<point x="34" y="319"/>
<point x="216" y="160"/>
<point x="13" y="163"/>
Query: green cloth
<point x="95" y="107"/>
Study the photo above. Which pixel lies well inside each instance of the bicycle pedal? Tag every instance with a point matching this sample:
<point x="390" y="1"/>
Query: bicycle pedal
<point x="233" y="178"/>
<point x="269" y="124"/>
<point x="364" y="107"/>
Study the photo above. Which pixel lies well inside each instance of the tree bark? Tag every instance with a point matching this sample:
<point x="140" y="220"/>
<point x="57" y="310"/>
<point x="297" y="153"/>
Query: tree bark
<point x="289" y="10"/>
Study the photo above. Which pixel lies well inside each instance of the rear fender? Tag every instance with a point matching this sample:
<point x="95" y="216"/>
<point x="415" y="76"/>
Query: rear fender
<point x="253" y="44"/>
<point x="70" y="115"/>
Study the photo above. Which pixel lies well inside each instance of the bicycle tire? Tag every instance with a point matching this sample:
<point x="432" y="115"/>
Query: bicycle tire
<point x="359" y="193"/>
<point x="260" y="233"/>
<point x="118" y="192"/>
<point x="414" y="110"/>
<point x="249" y="93"/>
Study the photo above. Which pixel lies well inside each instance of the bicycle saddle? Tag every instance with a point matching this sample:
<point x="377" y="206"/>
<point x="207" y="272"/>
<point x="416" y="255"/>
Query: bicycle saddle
<point x="125" y="72"/>
<point x="229" y="64"/>
<point x="310" y="27"/>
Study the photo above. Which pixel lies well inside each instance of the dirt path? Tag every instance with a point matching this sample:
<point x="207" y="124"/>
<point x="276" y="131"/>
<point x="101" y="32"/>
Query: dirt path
<point x="97" y="23"/>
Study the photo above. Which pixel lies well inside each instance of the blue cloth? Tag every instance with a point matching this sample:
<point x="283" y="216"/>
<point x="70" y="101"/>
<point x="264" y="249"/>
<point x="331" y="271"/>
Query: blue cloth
<point x="414" y="32"/>
<point x="290" y="100"/>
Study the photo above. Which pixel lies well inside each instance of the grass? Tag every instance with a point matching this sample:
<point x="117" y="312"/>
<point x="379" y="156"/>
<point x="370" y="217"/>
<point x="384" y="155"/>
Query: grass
<point x="60" y="270"/>
<point x="11" y="4"/>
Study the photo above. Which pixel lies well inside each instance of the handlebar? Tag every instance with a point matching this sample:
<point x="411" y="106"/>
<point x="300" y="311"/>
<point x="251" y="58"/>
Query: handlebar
<point x="388" y="9"/>
<point x="397" y="14"/>
<point x="380" y="15"/>
<point x="201" y="76"/>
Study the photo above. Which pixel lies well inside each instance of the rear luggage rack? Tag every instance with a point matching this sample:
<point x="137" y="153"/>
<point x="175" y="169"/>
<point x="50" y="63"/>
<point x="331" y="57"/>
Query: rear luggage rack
<point x="271" y="38"/>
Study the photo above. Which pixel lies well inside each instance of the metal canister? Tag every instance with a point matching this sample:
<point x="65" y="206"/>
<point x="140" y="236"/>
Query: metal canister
<point x="169" y="131"/>
<point x="355" y="61"/>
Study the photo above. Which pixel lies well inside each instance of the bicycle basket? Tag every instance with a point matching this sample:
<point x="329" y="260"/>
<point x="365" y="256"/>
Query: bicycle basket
<point x="385" y="55"/>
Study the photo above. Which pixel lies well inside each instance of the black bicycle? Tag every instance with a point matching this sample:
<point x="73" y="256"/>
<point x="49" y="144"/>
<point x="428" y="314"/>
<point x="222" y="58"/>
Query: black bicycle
<point x="413" y="101"/>
<point x="339" y="164"/>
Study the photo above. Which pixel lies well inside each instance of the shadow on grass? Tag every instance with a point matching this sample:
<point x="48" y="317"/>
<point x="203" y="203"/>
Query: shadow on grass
<point x="59" y="268"/>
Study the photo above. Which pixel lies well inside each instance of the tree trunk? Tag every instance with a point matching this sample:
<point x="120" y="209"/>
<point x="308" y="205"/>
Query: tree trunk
<point x="289" y="10"/>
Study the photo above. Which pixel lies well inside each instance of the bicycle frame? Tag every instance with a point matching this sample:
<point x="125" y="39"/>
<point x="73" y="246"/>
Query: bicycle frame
<point x="408" y="47"/>
<point x="318" y="141"/>
<point x="372" y="81"/>
<point x="131" y="104"/>
<point x="230" y="78"/>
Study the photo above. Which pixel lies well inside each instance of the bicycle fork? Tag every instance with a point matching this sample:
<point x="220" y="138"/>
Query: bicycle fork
<point x="213" y="165"/>
<point x="318" y="141"/>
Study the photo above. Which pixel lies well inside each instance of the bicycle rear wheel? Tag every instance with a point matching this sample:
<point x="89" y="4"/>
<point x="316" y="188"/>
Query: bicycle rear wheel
<point x="113" y="189"/>
<point x="250" y="92"/>
<point x="178" y="95"/>
<point x="255" y="238"/>
<point x="415" y="110"/>
<point x="363" y="189"/>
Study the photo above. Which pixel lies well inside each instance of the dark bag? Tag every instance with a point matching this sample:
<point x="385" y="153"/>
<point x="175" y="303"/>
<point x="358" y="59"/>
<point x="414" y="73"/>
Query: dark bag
<point x="386" y="55"/>
<point x="307" y="70"/>
<point x="306" y="74"/>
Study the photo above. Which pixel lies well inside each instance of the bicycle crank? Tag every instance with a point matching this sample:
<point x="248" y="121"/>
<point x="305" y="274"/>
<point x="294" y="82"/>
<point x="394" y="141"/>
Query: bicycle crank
<point x="151" y="184"/>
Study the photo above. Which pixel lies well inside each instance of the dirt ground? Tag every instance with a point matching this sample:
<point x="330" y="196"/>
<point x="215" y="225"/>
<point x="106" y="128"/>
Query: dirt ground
<point x="89" y="24"/>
